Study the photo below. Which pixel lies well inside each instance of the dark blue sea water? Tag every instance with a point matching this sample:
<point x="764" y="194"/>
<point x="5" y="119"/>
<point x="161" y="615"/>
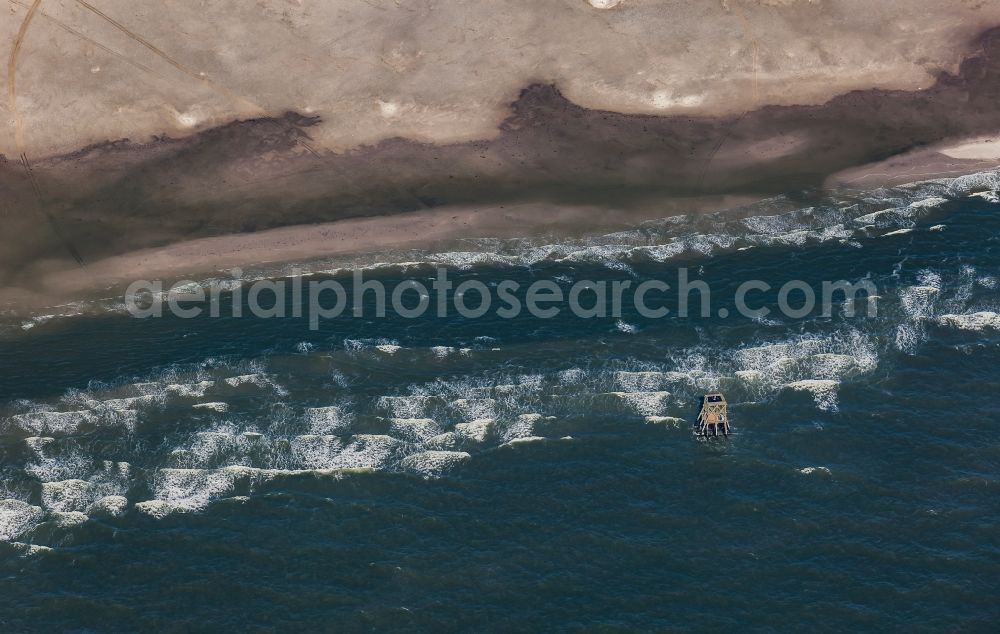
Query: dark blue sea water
<point x="531" y="474"/>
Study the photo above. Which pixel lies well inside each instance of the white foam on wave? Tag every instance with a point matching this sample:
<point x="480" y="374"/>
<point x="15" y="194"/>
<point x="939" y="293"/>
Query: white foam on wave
<point x="909" y="336"/>
<point x="526" y="383"/>
<point x="832" y="366"/>
<point x="109" y="506"/>
<point x="17" y="518"/>
<point x="918" y="303"/>
<point x="68" y="495"/>
<point x="389" y="346"/>
<point x="980" y="321"/>
<point x="312" y="451"/>
<point x="672" y="421"/>
<point x="188" y="490"/>
<point x="216" y="406"/>
<point x="678" y="236"/>
<point x="662" y="252"/>
<point x="990" y="197"/>
<point x="214" y="461"/>
<point x="369" y="451"/>
<point x="190" y="390"/>
<point x="824" y="392"/>
<point x="521" y="427"/>
<point x="130" y="402"/>
<point x="52" y="423"/>
<point x="448" y="441"/>
<point x="886" y="218"/>
<point x="468" y="259"/>
<point x="764" y="370"/>
<point x="475" y="408"/>
<point x="810" y="470"/>
<point x="67" y="519"/>
<point x="929" y="278"/>
<point x="300" y="454"/>
<point x="125" y="411"/>
<point x="51" y="462"/>
<point x="414" y="429"/>
<point x="28" y="550"/>
<point x="36" y="321"/>
<point x="477" y="430"/>
<point x="770" y="225"/>
<point x="207" y="448"/>
<point x="645" y="403"/>
<point x="433" y="463"/>
<point x="157" y="509"/>
<point x="526" y="440"/>
<point x="973" y="183"/>
<point x="647" y="381"/>
<point x="415" y="406"/>
<point x="572" y="375"/>
<point x="927" y="203"/>
<point x="256" y="380"/>
<point x="625" y="327"/>
<point x="327" y="420"/>
<point x="78" y="494"/>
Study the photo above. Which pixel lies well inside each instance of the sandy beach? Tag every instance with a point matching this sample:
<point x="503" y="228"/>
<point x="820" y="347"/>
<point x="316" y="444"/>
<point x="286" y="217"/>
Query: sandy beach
<point x="271" y="186"/>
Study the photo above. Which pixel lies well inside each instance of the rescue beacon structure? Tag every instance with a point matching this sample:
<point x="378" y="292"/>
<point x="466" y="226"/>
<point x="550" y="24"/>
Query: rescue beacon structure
<point x="714" y="415"/>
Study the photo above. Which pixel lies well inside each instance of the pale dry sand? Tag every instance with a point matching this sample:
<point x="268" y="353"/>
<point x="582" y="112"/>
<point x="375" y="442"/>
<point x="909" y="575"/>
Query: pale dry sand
<point x="443" y="72"/>
<point x="917" y="165"/>
<point x="984" y="148"/>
